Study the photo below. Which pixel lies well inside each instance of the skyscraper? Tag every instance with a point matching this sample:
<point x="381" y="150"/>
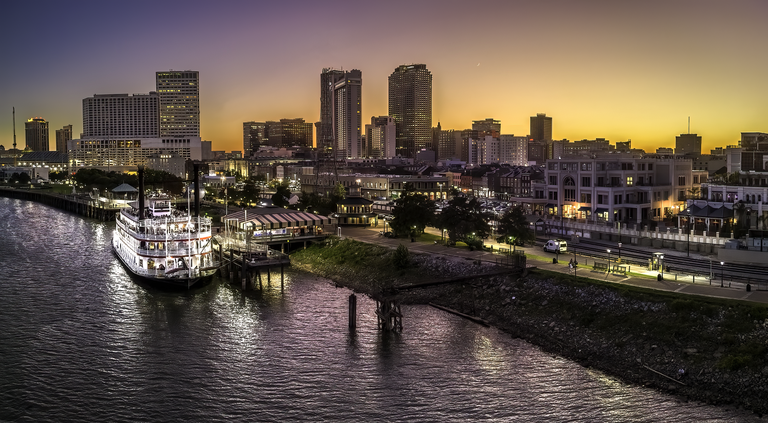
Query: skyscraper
<point x="410" y="104"/>
<point x="37" y="134"/>
<point x="347" y="119"/>
<point x="541" y="128"/>
<point x="179" y="103"/>
<point x="62" y="136"/>
<point x="324" y="128"/>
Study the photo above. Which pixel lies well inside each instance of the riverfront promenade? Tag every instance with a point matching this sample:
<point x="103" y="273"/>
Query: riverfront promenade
<point x="639" y="276"/>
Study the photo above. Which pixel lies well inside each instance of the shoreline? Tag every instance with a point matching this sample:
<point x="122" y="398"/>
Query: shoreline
<point x="673" y="343"/>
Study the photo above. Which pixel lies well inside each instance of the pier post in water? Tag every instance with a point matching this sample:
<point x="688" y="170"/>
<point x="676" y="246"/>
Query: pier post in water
<point x="282" y="278"/>
<point x="352" y="311"/>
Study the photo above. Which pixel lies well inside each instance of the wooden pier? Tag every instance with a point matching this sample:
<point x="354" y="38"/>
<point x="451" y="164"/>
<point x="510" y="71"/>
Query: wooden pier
<point x="73" y="203"/>
<point x="246" y="261"/>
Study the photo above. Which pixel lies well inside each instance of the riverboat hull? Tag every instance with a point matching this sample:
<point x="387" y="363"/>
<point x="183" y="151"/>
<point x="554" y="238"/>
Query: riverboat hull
<point x="169" y="282"/>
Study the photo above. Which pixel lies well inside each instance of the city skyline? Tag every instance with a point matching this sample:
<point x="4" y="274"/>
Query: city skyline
<point x="598" y="69"/>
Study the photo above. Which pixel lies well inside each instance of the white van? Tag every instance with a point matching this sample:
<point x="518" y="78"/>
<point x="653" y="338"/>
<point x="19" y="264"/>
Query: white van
<point x="556" y="246"/>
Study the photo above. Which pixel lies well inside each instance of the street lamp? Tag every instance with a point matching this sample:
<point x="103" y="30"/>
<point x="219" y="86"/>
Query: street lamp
<point x="609" y="260"/>
<point x="226" y="197"/>
<point x="661" y="259"/>
<point x="441" y="190"/>
<point x="689" y="235"/>
<point x="619" y="252"/>
<point x="722" y="273"/>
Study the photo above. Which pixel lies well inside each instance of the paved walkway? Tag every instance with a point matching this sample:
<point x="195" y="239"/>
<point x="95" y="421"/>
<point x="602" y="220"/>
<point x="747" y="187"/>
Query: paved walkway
<point x="638" y="276"/>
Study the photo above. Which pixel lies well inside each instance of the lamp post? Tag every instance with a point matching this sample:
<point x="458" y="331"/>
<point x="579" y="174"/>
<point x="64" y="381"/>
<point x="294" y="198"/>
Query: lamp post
<point x="609" y="260"/>
<point x="619" y="253"/>
<point x="226" y="197"/>
<point x="689" y="235"/>
<point x="661" y="258"/>
<point x="441" y="190"/>
<point x="722" y="273"/>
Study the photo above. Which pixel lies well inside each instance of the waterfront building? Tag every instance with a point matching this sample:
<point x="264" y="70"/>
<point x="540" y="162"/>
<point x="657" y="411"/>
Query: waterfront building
<point x="179" y="103"/>
<point x="121" y="115"/>
<point x="126" y="154"/>
<point x="354" y="210"/>
<point x="410" y="104"/>
<point x="380" y="138"/>
<point x="36" y="130"/>
<point x="62" y="136"/>
<point x="619" y="187"/>
<point x="53" y="160"/>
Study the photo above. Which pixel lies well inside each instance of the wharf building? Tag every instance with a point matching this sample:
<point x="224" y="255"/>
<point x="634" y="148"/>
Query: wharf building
<point x="36" y="132"/>
<point x="410" y="104"/>
<point x="122" y="131"/>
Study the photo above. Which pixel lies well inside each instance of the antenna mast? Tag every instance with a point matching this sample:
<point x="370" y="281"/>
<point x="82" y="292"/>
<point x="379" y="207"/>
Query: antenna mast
<point x="14" y="137"/>
<point x="689" y="125"/>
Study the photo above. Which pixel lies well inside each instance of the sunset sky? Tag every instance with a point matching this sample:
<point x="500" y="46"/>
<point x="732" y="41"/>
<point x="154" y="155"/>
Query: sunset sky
<point x="612" y="69"/>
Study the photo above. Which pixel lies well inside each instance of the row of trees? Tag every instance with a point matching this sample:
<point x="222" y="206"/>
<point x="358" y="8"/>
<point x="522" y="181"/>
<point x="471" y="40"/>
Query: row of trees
<point x="153" y="179"/>
<point x="463" y="220"/>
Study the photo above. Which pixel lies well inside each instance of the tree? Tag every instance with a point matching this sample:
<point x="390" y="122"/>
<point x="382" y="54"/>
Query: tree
<point x="514" y="229"/>
<point x="464" y="220"/>
<point x="250" y="192"/>
<point x="281" y="195"/>
<point x="412" y="212"/>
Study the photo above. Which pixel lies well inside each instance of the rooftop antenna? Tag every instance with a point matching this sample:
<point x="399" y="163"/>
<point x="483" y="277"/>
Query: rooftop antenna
<point x="689" y="125"/>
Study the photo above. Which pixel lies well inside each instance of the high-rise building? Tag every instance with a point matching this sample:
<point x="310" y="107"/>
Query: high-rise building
<point x="296" y="132"/>
<point x="62" y="136"/>
<point x="347" y="118"/>
<point x="380" y="138"/>
<point x="446" y="143"/>
<point x="487" y="127"/>
<point x="541" y="128"/>
<point x="410" y="104"/>
<point x="179" y="103"/>
<point x="324" y="128"/>
<point x="37" y="134"/>
<point x="513" y="150"/>
<point x="121" y="115"/>
<point x="541" y="131"/>
<point x="688" y="144"/>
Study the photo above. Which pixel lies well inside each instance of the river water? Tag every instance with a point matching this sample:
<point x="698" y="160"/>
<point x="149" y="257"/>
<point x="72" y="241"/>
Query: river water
<point x="80" y="341"/>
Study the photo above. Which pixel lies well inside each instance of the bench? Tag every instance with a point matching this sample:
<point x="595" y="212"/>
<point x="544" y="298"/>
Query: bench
<point x="619" y="269"/>
<point x="600" y="266"/>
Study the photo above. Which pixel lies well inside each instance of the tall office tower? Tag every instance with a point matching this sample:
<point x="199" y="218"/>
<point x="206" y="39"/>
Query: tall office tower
<point x="487" y="127"/>
<point x="688" y="144"/>
<point x="121" y="115"/>
<point x="37" y="134"/>
<point x="537" y="152"/>
<point x="447" y="143"/>
<point x="62" y="136"/>
<point x="179" y="103"/>
<point x="347" y="118"/>
<point x="324" y="128"/>
<point x="541" y="128"/>
<point x="380" y="137"/>
<point x="410" y="104"/>
<point x="254" y="136"/>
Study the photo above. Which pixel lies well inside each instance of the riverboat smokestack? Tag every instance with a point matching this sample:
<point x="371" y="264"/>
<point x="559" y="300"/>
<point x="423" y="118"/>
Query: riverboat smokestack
<point x="141" y="192"/>
<point x="196" y="171"/>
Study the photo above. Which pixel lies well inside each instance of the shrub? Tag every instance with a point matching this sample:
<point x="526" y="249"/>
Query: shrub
<point x="401" y="258"/>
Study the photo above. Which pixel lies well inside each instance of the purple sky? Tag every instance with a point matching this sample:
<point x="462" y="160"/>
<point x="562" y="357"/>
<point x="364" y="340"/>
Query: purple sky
<point x="610" y="69"/>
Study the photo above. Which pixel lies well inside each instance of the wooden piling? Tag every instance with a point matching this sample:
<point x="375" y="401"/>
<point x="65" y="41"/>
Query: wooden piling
<point x="352" y="311"/>
<point x="282" y="278"/>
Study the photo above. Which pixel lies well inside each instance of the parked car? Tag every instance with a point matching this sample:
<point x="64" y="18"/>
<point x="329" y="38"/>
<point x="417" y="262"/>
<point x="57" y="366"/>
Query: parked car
<point x="556" y="246"/>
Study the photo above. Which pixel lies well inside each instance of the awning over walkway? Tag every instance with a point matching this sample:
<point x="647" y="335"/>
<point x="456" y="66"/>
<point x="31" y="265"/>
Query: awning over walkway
<point x="601" y="210"/>
<point x="283" y="219"/>
<point x="722" y="213"/>
<point x="550" y="206"/>
<point x="585" y="208"/>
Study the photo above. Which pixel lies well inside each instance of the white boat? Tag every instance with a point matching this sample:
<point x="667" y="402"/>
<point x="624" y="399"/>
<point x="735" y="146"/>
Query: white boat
<point x="164" y="246"/>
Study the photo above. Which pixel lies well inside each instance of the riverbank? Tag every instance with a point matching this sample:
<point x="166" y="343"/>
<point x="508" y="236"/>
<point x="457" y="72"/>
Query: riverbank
<point x="707" y="349"/>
